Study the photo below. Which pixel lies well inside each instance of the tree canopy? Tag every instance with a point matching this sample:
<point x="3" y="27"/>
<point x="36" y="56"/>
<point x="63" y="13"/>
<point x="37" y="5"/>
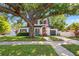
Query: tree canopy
<point x="32" y="12"/>
<point x="4" y="25"/>
<point x="36" y="11"/>
<point x="73" y="26"/>
<point x="58" y="22"/>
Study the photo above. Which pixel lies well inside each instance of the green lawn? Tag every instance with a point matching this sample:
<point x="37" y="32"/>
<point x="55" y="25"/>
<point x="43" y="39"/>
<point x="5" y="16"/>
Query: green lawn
<point x="74" y="38"/>
<point x="55" y="39"/>
<point x="21" y="38"/>
<point x="73" y="48"/>
<point x="27" y="50"/>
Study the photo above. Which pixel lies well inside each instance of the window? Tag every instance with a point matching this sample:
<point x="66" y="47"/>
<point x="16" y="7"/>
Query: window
<point x="36" y="22"/>
<point x="40" y="22"/>
<point x="53" y="32"/>
<point x="23" y="30"/>
<point x="37" y="32"/>
<point x="45" y="22"/>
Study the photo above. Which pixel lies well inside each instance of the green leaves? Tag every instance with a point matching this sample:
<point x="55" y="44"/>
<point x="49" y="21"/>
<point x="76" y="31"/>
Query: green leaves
<point x="74" y="26"/>
<point x="28" y="7"/>
<point x="58" y="22"/>
<point x="4" y="25"/>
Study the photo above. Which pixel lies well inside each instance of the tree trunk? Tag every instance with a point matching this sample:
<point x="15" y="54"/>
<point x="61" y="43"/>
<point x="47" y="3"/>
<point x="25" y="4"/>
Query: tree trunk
<point x="30" y="24"/>
<point x="31" y="28"/>
<point x="31" y="31"/>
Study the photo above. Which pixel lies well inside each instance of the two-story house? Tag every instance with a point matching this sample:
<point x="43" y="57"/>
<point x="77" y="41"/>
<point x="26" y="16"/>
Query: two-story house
<point x="38" y="28"/>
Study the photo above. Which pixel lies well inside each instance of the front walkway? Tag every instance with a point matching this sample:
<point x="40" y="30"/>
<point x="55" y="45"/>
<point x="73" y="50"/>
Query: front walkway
<point x="61" y="51"/>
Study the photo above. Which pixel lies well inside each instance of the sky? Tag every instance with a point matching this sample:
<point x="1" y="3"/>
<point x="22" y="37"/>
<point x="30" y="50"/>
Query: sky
<point x="15" y="19"/>
<point x="72" y="19"/>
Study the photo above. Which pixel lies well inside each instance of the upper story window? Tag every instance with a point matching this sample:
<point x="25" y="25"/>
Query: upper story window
<point x="41" y="22"/>
<point x="36" y="22"/>
<point x="45" y="22"/>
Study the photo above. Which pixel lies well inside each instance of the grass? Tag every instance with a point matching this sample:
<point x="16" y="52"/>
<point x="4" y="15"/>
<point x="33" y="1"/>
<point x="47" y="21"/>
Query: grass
<point x="73" y="48"/>
<point x="55" y="39"/>
<point x="74" y="38"/>
<point x="27" y="50"/>
<point x="21" y="38"/>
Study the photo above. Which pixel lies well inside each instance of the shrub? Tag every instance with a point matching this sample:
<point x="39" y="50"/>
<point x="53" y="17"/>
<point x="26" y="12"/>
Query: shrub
<point x="23" y="34"/>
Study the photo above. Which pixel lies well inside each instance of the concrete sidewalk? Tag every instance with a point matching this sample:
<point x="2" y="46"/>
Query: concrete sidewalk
<point x="61" y="51"/>
<point x="68" y="40"/>
<point x="25" y="42"/>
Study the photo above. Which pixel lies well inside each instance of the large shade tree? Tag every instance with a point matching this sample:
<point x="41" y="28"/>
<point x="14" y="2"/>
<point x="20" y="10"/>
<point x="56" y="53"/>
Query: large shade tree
<point x="32" y="12"/>
<point x="58" y="22"/>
